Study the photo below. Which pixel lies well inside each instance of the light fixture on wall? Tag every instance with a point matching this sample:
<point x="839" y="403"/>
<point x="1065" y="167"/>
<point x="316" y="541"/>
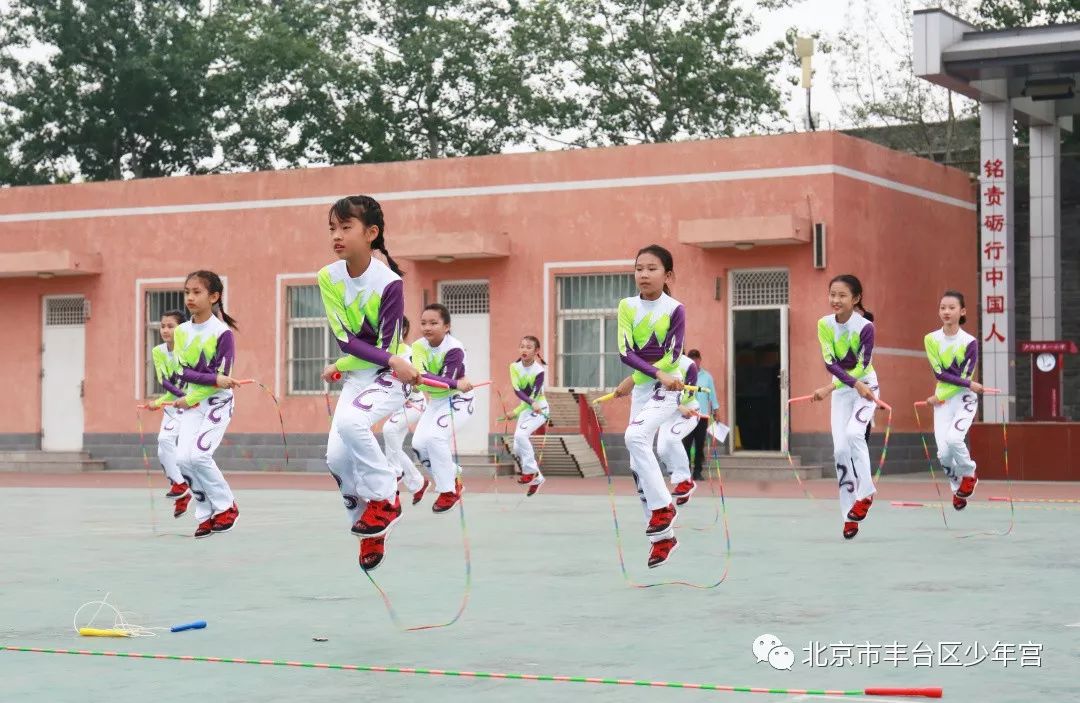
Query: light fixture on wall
<point x="445" y="259"/>
<point x="46" y="275"/>
<point x="744" y="246"/>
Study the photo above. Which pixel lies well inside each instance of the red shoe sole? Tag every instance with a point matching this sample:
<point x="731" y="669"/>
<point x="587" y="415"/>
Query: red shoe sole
<point x="661" y="563"/>
<point x="684" y="495"/>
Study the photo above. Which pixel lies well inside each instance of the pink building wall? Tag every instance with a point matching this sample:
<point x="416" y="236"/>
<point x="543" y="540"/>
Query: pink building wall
<point x="905" y="226"/>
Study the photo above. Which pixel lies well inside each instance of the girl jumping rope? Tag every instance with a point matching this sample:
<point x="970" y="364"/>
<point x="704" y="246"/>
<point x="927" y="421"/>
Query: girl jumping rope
<point x="442" y="359"/>
<point x="847" y="345"/>
<point x="651" y="327"/>
<point x="206" y="350"/>
<point x="167" y="372"/>
<point x="954" y="355"/>
<point x="364" y="303"/>
<point x="527" y="378"/>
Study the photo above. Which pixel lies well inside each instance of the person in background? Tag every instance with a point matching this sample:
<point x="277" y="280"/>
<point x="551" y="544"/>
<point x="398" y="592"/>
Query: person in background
<point x="708" y="405"/>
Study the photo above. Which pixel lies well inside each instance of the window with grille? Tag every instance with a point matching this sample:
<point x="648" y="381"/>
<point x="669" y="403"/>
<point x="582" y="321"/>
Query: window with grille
<point x="66" y="311"/>
<point x="311" y="344"/>
<point x="587" y="311"/>
<point x="157" y="303"/>
<point x="467" y="298"/>
<point x="759" y="288"/>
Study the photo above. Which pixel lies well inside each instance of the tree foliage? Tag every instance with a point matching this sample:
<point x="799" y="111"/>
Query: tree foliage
<point x="625" y="71"/>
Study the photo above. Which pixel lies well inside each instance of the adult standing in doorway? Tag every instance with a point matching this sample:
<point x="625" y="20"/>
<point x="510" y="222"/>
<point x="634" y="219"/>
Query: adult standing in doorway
<point x="709" y="406"/>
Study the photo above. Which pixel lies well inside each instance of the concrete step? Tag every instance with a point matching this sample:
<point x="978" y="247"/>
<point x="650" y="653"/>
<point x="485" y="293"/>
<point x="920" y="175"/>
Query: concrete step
<point x="766" y="473"/>
<point x="745" y="459"/>
<point x="48" y="462"/>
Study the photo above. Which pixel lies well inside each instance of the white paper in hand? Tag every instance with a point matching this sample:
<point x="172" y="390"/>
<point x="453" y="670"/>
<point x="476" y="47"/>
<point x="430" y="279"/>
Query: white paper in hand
<point x="719" y="430"/>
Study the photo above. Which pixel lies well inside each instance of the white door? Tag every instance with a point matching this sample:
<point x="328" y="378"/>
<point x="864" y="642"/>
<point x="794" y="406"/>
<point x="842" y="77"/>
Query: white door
<point x="470" y="322"/>
<point x="63" y="360"/>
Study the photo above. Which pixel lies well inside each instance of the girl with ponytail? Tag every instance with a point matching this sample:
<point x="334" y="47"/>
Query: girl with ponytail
<point x="364" y="302"/>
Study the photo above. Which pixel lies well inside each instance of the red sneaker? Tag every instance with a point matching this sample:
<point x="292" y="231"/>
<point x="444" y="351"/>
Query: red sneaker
<point x="850" y="530"/>
<point x="372" y="550"/>
<point x="525" y="479"/>
<point x="661" y="520"/>
<point x="860" y="509"/>
<point x="684" y="489"/>
<point x="967" y="487"/>
<point x="534" y="486"/>
<point x="445" y="501"/>
<point x="180" y="507"/>
<point x="378" y="518"/>
<point x="224" y="521"/>
<point x="958" y="503"/>
<point x="419" y="495"/>
<point x="205" y="528"/>
<point x="661" y="551"/>
<point x="179" y="490"/>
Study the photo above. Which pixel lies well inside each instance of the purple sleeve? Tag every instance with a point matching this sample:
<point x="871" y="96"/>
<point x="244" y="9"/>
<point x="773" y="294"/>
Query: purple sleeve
<point x="971" y="355"/>
<point x="946" y="377"/>
<point x="866" y="340"/>
<point x="631" y="359"/>
<point x="221" y="363"/>
<point x="691" y="375"/>
<point x="453" y="368"/>
<point x="391" y="312"/>
<point x="167" y="384"/>
<point x="673" y="342"/>
<point x="538" y="384"/>
<point x="841" y="375"/>
<point x="525" y="398"/>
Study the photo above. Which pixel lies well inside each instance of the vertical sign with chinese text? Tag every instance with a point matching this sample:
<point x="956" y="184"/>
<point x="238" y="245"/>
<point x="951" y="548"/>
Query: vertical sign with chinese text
<point x="997" y="302"/>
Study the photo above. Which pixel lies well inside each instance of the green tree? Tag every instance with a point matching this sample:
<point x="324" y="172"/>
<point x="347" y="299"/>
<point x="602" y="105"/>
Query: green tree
<point x="303" y="89"/>
<point x="624" y="71"/>
<point x="105" y="89"/>
<point x="877" y="81"/>
<point x="1023" y="13"/>
<point x="447" y="82"/>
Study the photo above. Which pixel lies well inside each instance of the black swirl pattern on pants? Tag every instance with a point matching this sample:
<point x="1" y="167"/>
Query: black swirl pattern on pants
<point x="199" y="496"/>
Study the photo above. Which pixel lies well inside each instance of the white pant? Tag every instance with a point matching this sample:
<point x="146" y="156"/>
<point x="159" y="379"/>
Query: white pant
<point x="356" y="461"/>
<point x="952" y="420"/>
<point x="201" y="430"/>
<point x="166" y="442"/>
<point x="394" y="432"/>
<point x="435" y="438"/>
<point x="527" y="423"/>
<point x="670" y="447"/>
<point x="648" y="411"/>
<point x="850" y="413"/>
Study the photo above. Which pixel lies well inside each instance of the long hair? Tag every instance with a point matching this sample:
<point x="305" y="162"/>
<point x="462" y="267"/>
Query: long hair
<point x="855" y="286"/>
<point x="213" y="284"/>
<point x="366" y="209"/>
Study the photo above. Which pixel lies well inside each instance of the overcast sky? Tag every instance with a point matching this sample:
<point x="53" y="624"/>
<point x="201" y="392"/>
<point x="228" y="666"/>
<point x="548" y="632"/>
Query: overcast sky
<point x="829" y="17"/>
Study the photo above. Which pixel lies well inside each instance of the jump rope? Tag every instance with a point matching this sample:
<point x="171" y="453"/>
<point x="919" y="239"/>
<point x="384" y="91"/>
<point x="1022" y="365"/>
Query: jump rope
<point x="467" y="591"/>
<point x="926" y="450"/>
<point x="595" y="422"/>
<point x="937" y="488"/>
<point x="172" y="412"/>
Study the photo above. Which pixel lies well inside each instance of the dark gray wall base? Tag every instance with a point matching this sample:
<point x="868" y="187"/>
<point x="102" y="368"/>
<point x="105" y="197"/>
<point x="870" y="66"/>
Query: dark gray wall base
<point x="905" y="450"/>
<point x="19" y="441"/>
